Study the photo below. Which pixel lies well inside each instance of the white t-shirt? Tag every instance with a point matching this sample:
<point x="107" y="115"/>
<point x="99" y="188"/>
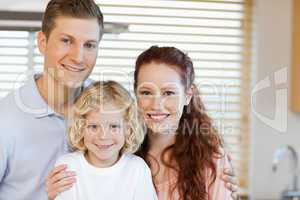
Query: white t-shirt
<point x="128" y="179"/>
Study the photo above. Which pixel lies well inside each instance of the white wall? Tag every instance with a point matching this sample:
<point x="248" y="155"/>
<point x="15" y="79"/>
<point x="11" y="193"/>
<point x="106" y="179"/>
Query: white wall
<point x="272" y="50"/>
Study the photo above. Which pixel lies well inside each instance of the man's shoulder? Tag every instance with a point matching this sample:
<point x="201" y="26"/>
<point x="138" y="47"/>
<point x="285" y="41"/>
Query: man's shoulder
<point x="9" y="109"/>
<point x="7" y="101"/>
<point x="12" y="120"/>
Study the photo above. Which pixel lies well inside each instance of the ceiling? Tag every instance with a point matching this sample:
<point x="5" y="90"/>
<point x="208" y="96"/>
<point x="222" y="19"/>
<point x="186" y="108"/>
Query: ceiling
<point x="13" y="21"/>
<point x="27" y="5"/>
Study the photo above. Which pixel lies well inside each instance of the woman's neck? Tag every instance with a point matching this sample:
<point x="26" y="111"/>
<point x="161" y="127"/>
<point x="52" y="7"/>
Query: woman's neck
<point x="58" y="96"/>
<point x="159" y="142"/>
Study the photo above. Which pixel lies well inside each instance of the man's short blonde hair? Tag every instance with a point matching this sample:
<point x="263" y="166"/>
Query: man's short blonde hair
<point x="98" y="94"/>
<point x="81" y="9"/>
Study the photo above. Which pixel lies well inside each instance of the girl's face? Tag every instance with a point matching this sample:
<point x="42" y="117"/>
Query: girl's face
<point x="161" y="97"/>
<point x="104" y="134"/>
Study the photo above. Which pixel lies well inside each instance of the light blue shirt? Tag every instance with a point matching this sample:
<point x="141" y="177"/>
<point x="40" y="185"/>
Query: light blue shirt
<point x="32" y="137"/>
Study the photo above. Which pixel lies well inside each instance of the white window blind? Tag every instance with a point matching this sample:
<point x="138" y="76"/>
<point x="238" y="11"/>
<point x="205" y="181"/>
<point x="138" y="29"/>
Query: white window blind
<point x="16" y="49"/>
<point x="216" y="34"/>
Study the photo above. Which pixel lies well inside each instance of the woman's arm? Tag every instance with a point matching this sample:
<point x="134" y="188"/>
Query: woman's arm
<point x="218" y="190"/>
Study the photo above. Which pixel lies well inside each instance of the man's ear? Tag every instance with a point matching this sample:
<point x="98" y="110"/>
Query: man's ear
<point x="189" y="95"/>
<point x="41" y="42"/>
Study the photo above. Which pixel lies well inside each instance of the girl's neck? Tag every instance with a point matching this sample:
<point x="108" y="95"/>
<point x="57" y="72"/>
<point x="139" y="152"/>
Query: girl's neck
<point x="59" y="97"/>
<point x="100" y="163"/>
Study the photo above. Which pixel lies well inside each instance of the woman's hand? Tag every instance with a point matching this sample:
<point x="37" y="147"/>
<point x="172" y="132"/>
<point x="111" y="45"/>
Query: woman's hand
<point x="230" y="180"/>
<point x="59" y="180"/>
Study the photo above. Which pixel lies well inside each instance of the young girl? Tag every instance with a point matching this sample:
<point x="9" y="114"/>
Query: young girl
<point x="104" y="133"/>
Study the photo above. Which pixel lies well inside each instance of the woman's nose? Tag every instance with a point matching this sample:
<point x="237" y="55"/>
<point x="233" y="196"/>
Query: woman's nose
<point x="157" y="102"/>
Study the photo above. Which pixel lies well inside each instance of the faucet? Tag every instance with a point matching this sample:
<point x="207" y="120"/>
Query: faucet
<point x="278" y="154"/>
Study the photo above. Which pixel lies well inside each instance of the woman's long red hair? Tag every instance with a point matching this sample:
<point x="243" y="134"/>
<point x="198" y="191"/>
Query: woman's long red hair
<point x="197" y="143"/>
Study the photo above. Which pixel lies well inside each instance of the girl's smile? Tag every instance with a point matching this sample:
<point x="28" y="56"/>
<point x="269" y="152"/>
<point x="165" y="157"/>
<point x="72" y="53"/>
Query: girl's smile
<point x="104" y="135"/>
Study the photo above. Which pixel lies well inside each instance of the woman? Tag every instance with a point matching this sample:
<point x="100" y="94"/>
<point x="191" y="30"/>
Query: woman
<point x="181" y="147"/>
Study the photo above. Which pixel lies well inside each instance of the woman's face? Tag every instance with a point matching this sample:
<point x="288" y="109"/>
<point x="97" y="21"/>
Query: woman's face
<point x="161" y="97"/>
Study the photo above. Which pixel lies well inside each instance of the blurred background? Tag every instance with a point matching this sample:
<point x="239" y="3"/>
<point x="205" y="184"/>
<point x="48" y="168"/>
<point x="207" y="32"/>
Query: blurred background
<point x="244" y="53"/>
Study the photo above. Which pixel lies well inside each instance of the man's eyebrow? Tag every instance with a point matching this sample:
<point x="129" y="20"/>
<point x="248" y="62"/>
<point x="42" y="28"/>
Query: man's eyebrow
<point x="66" y="34"/>
<point x="93" y="41"/>
<point x="70" y="36"/>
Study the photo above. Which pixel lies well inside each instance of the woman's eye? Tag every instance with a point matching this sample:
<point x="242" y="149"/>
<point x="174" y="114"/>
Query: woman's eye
<point x="145" y="93"/>
<point x="169" y="93"/>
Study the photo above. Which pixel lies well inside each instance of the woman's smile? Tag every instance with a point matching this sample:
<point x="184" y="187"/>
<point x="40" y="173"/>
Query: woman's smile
<point x="157" y="117"/>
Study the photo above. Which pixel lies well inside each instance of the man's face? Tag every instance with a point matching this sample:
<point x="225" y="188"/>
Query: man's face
<point x="70" y="52"/>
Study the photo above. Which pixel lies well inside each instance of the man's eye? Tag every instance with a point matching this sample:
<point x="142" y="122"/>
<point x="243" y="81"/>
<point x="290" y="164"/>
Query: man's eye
<point x="65" y="40"/>
<point x="90" y="46"/>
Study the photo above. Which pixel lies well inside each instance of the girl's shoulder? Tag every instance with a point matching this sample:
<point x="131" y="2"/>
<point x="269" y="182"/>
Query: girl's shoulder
<point x="69" y="158"/>
<point x="135" y="161"/>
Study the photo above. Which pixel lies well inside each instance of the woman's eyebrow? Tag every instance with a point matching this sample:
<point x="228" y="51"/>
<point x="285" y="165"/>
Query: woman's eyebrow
<point x="168" y="87"/>
<point x="144" y="87"/>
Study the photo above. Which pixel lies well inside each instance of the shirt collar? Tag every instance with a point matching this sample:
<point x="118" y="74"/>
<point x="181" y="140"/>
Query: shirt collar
<point x="30" y="100"/>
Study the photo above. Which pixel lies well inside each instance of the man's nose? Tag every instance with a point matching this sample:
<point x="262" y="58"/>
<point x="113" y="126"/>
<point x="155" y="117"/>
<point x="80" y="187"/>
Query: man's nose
<point x="77" y="54"/>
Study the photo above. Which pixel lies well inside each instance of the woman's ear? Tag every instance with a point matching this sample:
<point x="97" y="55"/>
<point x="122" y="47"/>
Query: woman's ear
<point x="41" y="42"/>
<point x="189" y="95"/>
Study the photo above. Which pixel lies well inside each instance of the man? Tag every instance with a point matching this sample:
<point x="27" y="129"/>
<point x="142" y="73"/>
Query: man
<point x="32" y="119"/>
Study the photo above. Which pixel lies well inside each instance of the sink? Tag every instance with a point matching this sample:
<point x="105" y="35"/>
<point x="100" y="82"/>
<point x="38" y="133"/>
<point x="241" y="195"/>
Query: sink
<point x="290" y="195"/>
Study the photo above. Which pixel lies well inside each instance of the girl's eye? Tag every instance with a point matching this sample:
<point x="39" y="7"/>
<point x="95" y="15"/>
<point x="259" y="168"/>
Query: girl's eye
<point x="93" y="127"/>
<point x="114" y="126"/>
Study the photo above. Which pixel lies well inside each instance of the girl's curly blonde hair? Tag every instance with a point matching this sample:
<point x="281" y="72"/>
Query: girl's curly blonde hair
<point x="97" y="94"/>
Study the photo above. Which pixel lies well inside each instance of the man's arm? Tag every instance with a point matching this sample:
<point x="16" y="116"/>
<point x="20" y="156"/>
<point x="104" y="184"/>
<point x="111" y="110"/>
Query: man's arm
<point x="230" y="179"/>
<point x="3" y="159"/>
